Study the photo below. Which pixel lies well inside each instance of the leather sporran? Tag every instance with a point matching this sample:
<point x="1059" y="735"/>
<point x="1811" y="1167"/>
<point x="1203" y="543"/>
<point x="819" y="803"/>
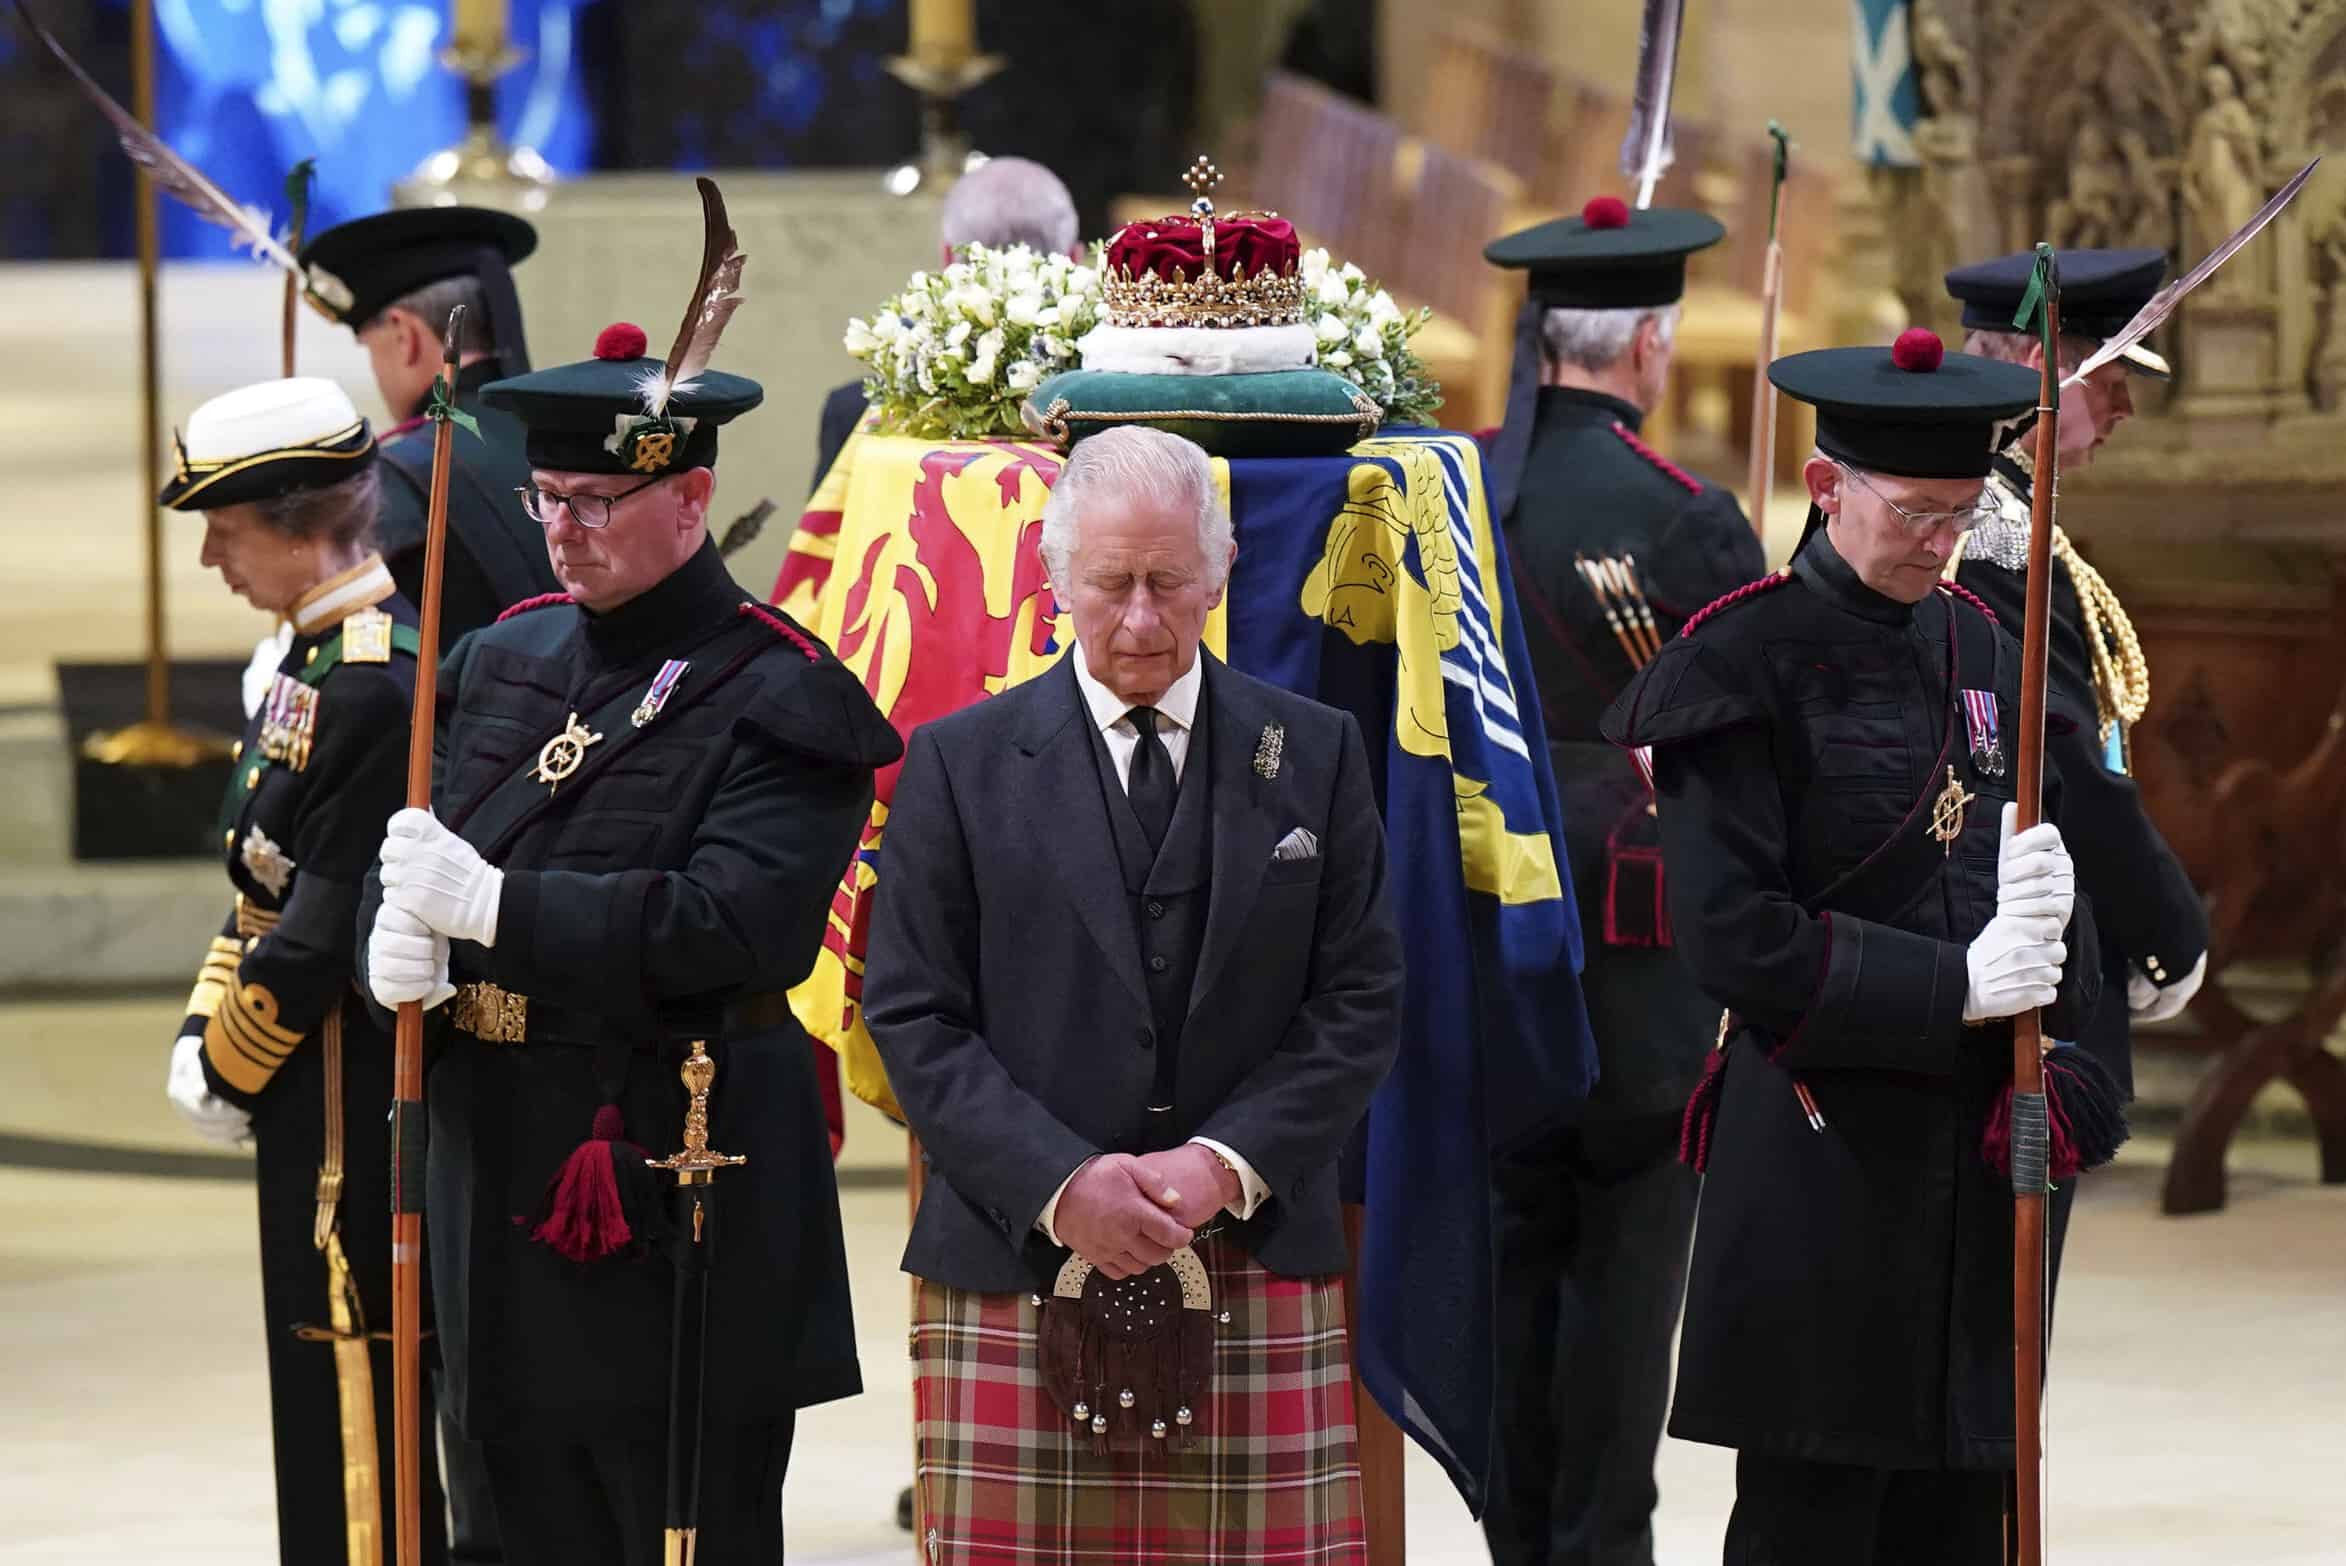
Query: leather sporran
<point x="1130" y="1358"/>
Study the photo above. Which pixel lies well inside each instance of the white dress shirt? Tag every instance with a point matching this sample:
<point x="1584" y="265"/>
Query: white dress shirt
<point x="1177" y="715"/>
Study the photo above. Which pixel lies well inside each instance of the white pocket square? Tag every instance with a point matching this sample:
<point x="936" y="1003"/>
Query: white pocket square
<point x="1298" y="844"/>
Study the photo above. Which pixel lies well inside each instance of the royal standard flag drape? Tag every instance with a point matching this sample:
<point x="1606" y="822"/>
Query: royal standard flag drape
<point x="1372" y="581"/>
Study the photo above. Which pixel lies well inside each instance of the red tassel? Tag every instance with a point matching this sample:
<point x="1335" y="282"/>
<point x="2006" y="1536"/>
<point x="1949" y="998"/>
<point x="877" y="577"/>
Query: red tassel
<point x="583" y="1218"/>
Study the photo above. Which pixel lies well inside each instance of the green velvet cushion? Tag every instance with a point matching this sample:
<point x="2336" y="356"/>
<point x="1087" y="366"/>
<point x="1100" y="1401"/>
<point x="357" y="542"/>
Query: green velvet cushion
<point x="1280" y="413"/>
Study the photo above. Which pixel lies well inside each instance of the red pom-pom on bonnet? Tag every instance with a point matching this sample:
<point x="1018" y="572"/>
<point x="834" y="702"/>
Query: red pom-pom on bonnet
<point x="1918" y="349"/>
<point x="1605" y="212"/>
<point x="620" y="340"/>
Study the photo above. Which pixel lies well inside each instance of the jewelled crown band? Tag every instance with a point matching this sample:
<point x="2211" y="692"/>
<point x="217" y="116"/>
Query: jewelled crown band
<point x="1203" y="268"/>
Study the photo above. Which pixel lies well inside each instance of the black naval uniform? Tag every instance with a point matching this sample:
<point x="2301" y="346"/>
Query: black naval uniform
<point x="496" y="554"/>
<point x="299" y="827"/>
<point x="673" y="885"/>
<point x="1593" y="1219"/>
<point x="2149" y="914"/>
<point x="1849" y="1310"/>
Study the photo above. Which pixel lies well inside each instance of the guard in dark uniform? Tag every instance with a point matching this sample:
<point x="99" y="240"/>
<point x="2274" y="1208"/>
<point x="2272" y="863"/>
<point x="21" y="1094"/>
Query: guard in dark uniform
<point x="1832" y="753"/>
<point x="649" y="787"/>
<point x="2153" y="926"/>
<point x="278" y="1047"/>
<point x="1593" y="1219"/>
<point x="394" y="279"/>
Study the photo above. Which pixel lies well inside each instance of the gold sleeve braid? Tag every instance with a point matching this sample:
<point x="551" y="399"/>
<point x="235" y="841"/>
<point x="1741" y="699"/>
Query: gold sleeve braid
<point x="244" y="1041"/>
<point x="214" y="978"/>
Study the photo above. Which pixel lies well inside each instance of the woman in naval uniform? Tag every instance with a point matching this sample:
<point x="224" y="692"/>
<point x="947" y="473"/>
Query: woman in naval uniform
<point x="276" y="1051"/>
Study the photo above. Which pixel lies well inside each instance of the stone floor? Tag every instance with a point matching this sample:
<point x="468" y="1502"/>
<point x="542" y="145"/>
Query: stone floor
<point x="2198" y="1396"/>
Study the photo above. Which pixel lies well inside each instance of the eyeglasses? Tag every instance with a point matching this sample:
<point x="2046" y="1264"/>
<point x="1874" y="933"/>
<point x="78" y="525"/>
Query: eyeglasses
<point x="1923" y="523"/>
<point x="590" y="511"/>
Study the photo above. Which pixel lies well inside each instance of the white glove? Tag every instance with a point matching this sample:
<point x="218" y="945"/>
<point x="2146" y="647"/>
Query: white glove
<point x="406" y="959"/>
<point x="2155" y="1003"/>
<point x="215" y="1119"/>
<point x="268" y="653"/>
<point x="2015" y="966"/>
<point x="2034" y="877"/>
<point x="440" y="878"/>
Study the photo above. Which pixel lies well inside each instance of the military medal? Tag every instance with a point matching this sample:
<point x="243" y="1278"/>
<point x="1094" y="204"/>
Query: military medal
<point x="1987" y="746"/>
<point x="289" y="717"/>
<point x="663" y="685"/>
<point x="1267" y="750"/>
<point x="1947" y="813"/>
<point x="267" y="862"/>
<point x="366" y="637"/>
<point x="560" y="756"/>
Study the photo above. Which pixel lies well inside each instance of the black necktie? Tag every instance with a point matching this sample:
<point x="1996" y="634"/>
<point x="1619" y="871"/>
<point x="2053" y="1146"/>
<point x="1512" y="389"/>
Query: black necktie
<point x="1150" y="783"/>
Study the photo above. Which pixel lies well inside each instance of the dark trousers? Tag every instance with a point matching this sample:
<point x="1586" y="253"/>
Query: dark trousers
<point x="305" y="1412"/>
<point x="1592" y="1226"/>
<point x="1789" y="1512"/>
<point x="606" y="1502"/>
<point x="472" y="1512"/>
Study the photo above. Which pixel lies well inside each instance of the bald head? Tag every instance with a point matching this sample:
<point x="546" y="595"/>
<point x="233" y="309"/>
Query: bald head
<point x="1009" y="201"/>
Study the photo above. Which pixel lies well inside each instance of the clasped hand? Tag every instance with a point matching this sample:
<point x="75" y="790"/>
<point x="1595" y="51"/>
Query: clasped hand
<point x="1126" y="1214"/>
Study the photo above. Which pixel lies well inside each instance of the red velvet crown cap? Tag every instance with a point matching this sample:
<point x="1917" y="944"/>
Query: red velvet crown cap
<point x="1256" y="243"/>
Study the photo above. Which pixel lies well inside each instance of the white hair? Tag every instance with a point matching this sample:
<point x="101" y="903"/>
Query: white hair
<point x="1596" y="339"/>
<point x="1009" y="201"/>
<point x="1133" y="460"/>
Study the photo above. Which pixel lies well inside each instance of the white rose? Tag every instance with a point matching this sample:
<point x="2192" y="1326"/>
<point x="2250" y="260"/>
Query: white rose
<point x="1332" y="291"/>
<point x="990" y="345"/>
<point x="1048" y="315"/>
<point x="959" y="334"/>
<point x="1315" y="266"/>
<point x="1382" y="309"/>
<point x="981" y="370"/>
<point x="917" y="283"/>
<point x="1025" y="375"/>
<point x="860" y="340"/>
<point x="1336" y="361"/>
<point x="1024" y="309"/>
<point x="1082" y="280"/>
<point x="1367" y="343"/>
<point x="1353" y="274"/>
<point x="978" y="305"/>
<point x="1053" y="345"/>
<point x="1330" y="329"/>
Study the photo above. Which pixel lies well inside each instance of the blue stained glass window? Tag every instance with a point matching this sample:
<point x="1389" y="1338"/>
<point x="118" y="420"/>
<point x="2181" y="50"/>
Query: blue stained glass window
<point x="248" y="88"/>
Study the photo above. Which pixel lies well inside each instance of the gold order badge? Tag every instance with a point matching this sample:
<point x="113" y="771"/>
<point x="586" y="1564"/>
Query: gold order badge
<point x="560" y="756"/>
<point x="653" y="451"/>
<point x="1947" y="813"/>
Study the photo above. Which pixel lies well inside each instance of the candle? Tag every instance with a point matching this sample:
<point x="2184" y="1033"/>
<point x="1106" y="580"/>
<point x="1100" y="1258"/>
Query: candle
<point x="943" y="30"/>
<point x="481" y="23"/>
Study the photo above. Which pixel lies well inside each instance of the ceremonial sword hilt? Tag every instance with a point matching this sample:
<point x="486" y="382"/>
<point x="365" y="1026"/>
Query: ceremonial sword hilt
<point x="695" y="1164"/>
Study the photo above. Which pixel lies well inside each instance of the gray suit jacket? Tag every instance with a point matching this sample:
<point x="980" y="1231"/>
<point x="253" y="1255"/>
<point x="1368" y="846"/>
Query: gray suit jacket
<point x="1004" y="985"/>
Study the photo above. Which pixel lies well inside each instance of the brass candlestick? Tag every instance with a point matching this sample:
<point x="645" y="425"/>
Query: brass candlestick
<point x="153" y="741"/>
<point x="483" y="169"/>
<point x="940" y="75"/>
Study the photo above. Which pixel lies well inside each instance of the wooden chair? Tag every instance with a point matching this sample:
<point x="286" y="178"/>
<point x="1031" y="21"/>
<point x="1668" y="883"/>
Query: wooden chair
<point x="1452" y="207"/>
<point x="1485" y="100"/>
<point x="1326" y="163"/>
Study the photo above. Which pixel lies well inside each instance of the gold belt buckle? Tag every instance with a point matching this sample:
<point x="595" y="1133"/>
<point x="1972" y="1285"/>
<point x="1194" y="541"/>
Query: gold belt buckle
<point x="490" y="1014"/>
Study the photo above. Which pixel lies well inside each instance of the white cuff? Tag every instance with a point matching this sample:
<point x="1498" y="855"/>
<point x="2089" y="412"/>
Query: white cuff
<point x="1252" y="1191"/>
<point x="1048" y="1223"/>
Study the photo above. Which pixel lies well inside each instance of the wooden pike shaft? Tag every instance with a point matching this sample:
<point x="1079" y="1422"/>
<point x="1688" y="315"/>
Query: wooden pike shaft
<point x="407" y="1061"/>
<point x="1763" y="391"/>
<point x="2028" y="1055"/>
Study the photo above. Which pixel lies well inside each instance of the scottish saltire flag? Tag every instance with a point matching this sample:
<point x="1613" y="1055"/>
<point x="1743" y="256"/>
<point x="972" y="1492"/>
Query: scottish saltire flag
<point x="1885" y="98"/>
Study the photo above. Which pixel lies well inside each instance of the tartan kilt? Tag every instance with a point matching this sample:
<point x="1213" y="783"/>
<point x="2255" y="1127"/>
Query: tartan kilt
<point x="1001" y="1475"/>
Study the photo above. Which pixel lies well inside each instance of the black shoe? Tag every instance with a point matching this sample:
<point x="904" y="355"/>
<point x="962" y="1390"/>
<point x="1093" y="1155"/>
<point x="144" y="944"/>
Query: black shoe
<point x="904" y="1509"/>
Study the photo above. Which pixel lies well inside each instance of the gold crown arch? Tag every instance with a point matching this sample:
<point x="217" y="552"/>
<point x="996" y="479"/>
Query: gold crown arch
<point x="1268" y="298"/>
